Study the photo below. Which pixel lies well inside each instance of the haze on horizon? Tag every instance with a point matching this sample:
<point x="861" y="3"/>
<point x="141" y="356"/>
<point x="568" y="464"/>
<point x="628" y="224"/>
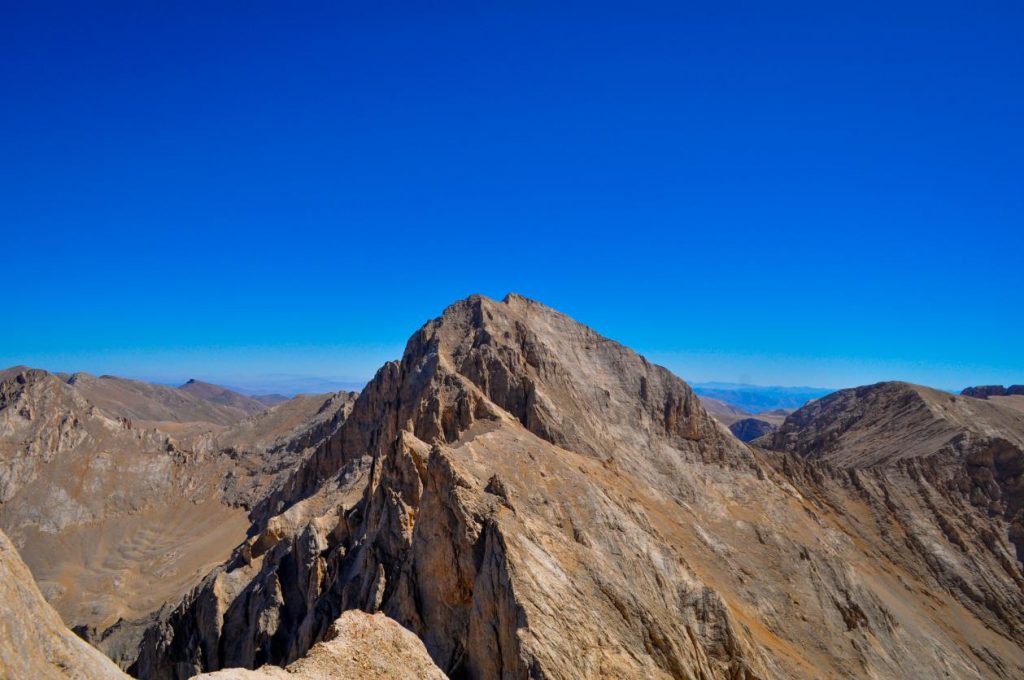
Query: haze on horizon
<point x="243" y="191"/>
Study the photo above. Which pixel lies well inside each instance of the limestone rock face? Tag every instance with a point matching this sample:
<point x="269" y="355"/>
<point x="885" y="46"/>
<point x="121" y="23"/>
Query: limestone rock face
<point x="356" y="646"/>
<point x="34" y="643"/>
<point x="118" y="518"/>
<point x="482" y="408"/>
<point x="534" y="500"/>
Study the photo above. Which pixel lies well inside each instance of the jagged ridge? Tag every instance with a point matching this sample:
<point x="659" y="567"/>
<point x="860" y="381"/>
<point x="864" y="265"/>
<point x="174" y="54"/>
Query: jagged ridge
<point x="534" y="500"/>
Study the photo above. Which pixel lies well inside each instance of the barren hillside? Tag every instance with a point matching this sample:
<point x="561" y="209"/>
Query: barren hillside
<point x="534" y="500"/>
<point x="118" y="517"/>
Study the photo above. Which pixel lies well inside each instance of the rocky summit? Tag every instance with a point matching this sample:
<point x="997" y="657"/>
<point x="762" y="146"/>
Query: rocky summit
<point x="520" y="497"/>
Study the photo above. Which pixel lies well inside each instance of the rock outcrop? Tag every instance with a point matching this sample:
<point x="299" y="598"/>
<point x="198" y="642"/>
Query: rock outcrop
<point x="986" y="391"/>
<point x="357" y="645"/>
<point x="534" y="500"/>
<point x="119" y="518"/>
<point x="34" y="643"/>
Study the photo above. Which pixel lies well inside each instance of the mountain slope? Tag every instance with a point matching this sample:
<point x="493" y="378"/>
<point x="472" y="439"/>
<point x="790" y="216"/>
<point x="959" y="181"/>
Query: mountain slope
<point x="748" y="429"/>
<point x="112" y="520"/>
<point x="535" y="500"/>
<point x="887" y="422"/>
<point x="116" y="520"/>
<point x="726" y="413"/>
<point x="147" y="404"/>
<point x="932" y="480"/>
<point x="269" y="399"/>
<point x="34" y="643"/>
<point x="215" y="394"/>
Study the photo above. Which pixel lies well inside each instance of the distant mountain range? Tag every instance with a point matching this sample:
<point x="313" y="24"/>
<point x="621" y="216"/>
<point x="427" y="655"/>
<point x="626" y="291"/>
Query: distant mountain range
<point x="758" y="398"/>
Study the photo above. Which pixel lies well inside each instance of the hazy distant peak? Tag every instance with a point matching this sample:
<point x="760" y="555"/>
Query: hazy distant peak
<point x="269" y="399"/>
<point x="218" y="394"/>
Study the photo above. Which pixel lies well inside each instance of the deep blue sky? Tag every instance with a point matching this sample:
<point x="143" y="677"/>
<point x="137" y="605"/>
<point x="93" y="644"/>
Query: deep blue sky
<point x="766" y="192"/>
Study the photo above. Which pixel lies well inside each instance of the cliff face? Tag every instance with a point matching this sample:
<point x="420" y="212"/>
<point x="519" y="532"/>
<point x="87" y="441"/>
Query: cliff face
<point x="117" y="518"/>
<point x="34" y="643"/>
<point x="534" y="500"/>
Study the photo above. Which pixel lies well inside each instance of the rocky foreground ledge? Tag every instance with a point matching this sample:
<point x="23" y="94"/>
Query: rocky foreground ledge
<point x="357" y="645"/>
<point x="34" y="642"/>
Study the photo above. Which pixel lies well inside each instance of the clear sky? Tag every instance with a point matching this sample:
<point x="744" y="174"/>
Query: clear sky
<point x="778" y="193"/>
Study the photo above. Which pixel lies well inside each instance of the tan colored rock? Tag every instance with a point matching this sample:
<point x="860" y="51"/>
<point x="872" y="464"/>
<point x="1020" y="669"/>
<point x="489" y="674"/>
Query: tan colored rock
<point x="531" y="499"/>
<point x="34" y="643"/>
<point x="358" y="646"/>
<point x="535" y="500"/>
<point x="117" y="516"/>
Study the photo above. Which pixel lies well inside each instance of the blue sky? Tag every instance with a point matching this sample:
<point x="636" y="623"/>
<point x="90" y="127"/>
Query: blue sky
<point x="776" y="193"/>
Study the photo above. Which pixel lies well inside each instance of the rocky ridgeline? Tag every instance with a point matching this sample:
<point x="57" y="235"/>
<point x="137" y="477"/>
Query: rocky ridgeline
<point x="119" y="516"/>
<point x="35" y="644"/>
<point x="357" y="645"/>
<point x="528" y="499"/>
<point x="986" y="391"/>
<point x="941" y="470"/>
<point x="534" y="500"/>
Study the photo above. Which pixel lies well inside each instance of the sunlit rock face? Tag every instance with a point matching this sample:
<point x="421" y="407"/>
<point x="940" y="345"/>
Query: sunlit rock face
<point x="530" y="499"/>
<point x="34" y="643"/>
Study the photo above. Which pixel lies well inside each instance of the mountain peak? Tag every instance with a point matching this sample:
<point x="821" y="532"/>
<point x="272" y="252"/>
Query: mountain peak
<point x="559" y="378"/>
<point x="222" y="395"/>
<point x="889" y="421"/>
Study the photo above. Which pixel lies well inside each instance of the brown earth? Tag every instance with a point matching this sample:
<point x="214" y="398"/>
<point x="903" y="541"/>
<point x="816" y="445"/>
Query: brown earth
<point x="216" y="394"/>
<point x="34" y="643"/>
<point x="148" y="404"/>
